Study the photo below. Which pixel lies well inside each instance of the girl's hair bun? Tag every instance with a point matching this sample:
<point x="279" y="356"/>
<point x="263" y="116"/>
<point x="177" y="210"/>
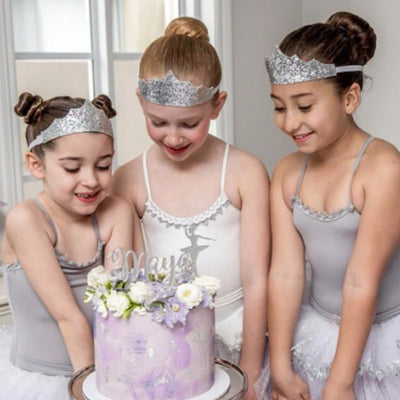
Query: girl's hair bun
<point x="103" y="102"/>
<point x="358" y="31"/>
<point x="187" y="26"/>
<point x="30" y="107"/>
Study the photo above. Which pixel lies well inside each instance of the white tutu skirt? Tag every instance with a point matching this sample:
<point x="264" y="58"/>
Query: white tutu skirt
<point x="314" y="347"/>
<point x="18" y="384"/>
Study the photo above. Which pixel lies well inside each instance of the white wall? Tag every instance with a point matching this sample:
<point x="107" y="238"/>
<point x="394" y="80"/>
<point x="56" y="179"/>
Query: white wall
<point x="260" y="24"/>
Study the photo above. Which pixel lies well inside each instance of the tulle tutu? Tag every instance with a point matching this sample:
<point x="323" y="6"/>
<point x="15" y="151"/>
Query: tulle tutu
<point x="228" y="336"/>
<point x="314" y="348"/>
<point x="18" y="384"/>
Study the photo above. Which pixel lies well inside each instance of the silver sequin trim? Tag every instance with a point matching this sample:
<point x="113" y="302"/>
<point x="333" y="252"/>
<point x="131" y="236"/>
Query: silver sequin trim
<point x="170" y="91"/>
<point x="86" y="118"/>
<point x="283" y="70"/>
<point x="321" y="216"/>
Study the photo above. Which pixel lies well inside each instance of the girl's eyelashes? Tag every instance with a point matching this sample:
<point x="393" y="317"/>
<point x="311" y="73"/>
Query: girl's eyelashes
<point x="71" y="170"/>
<point x="190" y="125"/>
<point x="279" y="109"/>
<point x="157" y="124"/>
<point x="103" y="167"/>
<point x="305" y="108"/>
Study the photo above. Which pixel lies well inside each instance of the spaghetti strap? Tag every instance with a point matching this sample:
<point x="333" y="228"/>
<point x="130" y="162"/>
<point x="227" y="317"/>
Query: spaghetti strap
<point x="223" y="169"/>
<point x="96" y="228"/>
<point x="145" y="174"/>
<point x="49" y="219"/>
<point x="358" y="160"/>
<point x="302" y="172"/>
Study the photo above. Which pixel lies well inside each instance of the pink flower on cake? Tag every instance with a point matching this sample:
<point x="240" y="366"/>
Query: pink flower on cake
<point x="190" y="294"/>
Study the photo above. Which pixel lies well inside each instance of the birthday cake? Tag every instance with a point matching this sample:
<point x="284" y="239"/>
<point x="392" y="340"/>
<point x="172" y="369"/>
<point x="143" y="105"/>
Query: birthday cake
<point x="153" y="331"/>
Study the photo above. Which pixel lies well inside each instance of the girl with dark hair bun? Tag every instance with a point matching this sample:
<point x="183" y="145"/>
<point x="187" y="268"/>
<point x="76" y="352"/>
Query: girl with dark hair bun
<point x="334" y="202"/>
<point x="52" y="242"/>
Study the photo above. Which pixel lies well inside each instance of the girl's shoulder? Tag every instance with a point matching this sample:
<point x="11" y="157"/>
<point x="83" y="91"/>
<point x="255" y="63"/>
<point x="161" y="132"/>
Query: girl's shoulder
<point x="289" y="167"/>
<point x="23" y="213"/>
<point x="381" y="159"/>
<point x="243" y="162"/>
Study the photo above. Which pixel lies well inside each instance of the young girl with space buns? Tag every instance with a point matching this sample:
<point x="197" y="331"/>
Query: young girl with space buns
<point x="53" y="241"/>
<point x="336" y="200"/>
<point x="196" y="194"/>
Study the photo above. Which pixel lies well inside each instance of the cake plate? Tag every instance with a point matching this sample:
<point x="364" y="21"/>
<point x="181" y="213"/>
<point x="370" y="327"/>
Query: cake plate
<point x="235" y="389"/>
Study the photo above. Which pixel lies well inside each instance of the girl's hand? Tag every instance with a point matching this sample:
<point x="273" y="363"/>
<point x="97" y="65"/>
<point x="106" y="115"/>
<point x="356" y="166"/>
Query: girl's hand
<point x="291" y="387"/>
<point x="332" y="392"/>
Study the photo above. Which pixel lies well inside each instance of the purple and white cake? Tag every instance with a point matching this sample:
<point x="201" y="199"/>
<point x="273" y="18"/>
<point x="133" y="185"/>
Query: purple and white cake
<point x="153" y="331"/>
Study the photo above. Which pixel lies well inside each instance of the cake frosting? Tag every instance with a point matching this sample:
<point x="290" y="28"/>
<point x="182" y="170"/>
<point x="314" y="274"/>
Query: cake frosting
<point x="154" y="331"/>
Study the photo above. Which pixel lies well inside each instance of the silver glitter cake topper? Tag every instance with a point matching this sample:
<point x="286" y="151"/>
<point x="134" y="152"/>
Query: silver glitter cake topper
<point x="86" y="118"/>
<point x="283" y="70"/>
<point x="170" y="91"/>
<point x="169" y="267"/>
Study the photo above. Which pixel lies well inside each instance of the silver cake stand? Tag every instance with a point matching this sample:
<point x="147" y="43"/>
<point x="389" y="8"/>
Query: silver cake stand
<point x="238" y="381"/>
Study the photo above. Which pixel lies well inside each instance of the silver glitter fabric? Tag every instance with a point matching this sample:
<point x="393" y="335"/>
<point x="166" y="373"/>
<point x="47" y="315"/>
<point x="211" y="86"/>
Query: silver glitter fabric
<point x="86" y="118"/>
<point x="170" y="91"/>
<point x="283" y="70"/>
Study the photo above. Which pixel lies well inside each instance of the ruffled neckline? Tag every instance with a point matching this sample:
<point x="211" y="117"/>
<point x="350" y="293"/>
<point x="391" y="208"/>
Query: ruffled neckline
<point x="203" y="218"/>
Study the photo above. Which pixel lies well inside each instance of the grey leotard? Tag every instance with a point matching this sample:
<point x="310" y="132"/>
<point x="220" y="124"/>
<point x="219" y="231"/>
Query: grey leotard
<point x="329" y="241"/>
<point x="37" y="343"/>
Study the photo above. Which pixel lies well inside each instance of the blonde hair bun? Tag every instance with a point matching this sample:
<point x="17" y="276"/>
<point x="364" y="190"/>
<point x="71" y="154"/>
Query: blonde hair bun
<point x="187" y="26"/>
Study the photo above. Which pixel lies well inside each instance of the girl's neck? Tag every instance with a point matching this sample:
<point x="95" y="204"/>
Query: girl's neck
<point x="346" y="144"/>
<point x="58" y="213"/>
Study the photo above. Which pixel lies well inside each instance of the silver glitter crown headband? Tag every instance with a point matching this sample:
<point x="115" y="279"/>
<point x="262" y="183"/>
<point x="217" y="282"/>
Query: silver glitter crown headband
<point x="86" y="118"/>
<point x="170" y="91"/>
<point x="283" y="70"/>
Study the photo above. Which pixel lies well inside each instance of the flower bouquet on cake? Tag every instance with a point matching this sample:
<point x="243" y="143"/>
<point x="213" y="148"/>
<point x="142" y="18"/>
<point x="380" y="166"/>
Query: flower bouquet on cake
<point x="154" y="330"/>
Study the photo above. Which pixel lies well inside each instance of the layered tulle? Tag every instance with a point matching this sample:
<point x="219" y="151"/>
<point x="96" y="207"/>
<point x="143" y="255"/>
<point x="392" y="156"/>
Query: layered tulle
<point x="314" y="348"/>
<point x="18" y="384"/>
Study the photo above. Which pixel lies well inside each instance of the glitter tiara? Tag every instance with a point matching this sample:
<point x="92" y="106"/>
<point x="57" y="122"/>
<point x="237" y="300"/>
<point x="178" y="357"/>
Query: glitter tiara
<point x="86" y="118"/>
<point x="170" y="91"/>
<point x="283" y="70"/>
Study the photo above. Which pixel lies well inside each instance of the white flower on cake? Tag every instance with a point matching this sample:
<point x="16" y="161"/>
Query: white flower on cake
<point x="190" y="294"/>
<point x="102" y="308"/>
<point x="98" y="276"/>
<point x="210" y="283"/>
<point x="139" y="292"/>
<point x="117" y="303"/>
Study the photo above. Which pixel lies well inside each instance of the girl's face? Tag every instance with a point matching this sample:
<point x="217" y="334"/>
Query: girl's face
<point x="311" y="113"/>
<point x="180" y="131"/>
<point x="76" y="174"/>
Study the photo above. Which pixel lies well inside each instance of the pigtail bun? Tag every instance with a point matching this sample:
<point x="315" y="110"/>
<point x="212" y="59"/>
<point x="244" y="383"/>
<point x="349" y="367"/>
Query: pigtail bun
<point x="30" y="107"/>
<point x="359" y="33"/>
<point x="187" y="26"/>
<point x="103" y="102"/>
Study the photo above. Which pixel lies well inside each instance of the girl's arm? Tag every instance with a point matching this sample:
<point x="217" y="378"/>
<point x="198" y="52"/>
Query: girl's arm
<point x="116" y="219"/>
<point x="285" y="286"/>
<point x="123" y="186"/>
<point x="34" y="250"/>
<point x="254" y="262"/>
<point x="377" y="240"/>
